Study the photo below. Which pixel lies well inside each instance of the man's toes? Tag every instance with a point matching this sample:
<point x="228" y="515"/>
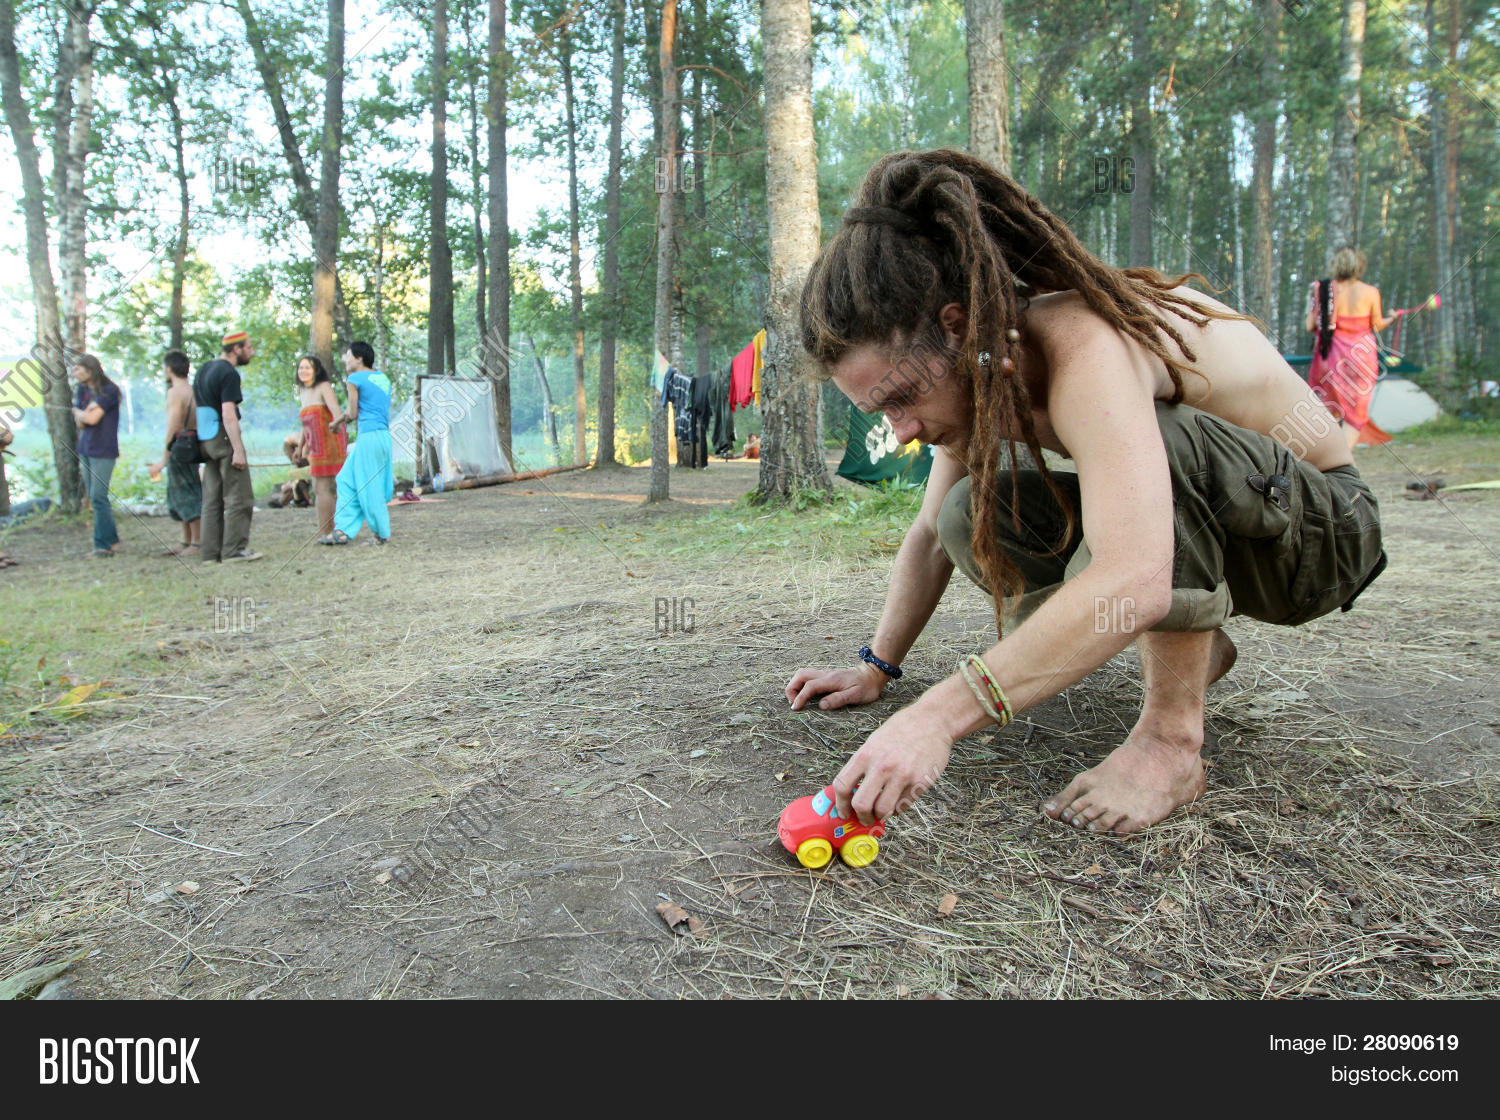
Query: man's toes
<point x="1062" y="806"/>
<point x="1085" y="813"/>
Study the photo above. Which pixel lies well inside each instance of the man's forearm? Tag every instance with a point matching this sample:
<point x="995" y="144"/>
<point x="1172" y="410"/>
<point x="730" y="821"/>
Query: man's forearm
<point x="232" y="430"/>
<point x="918" y="579"/>
<point x="1085" y="623"/>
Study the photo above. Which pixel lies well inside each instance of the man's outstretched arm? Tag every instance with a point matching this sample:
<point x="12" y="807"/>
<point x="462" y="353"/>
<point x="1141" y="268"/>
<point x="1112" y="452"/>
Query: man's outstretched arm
<point x="918" y="579"/>
<point x="1102" y="409"/>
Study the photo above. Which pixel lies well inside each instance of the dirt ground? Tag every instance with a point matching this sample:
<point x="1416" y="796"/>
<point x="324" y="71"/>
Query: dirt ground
<point x="474" y="763"/>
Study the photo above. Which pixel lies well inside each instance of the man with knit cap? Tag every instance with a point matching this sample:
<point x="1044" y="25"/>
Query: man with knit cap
<point x="228" y="499"/>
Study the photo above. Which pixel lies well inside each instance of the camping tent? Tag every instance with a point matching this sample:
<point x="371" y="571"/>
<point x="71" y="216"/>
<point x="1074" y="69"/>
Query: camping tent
<point x="872" y="454"/>
<point x="455" y="419"/>
<point x="1399" y="404"/>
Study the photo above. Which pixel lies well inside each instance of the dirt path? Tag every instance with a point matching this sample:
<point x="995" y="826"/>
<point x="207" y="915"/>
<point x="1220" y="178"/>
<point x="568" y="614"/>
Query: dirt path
<point x="472" y="763"/>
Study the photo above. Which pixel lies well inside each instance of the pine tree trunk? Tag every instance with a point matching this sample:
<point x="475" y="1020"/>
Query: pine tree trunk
<point x="304" y="198"/>
<point x="1264" y="127"/>
<point x="791" y="455"/>
<point x="381" y="343"/>
<point x="701" y="331"/>
<point x="496" y="345"/>
<point x="326" y="239"/>
<point x="989" y="108"/>
<point x="1341" y="156"/>
<point x="666" y="241"/>
<point x="1442" y="220"/>
<point x="46" y="366"/>
<point x="476" y="194"/>
<point x="548" y="411"/>
<point x="440" y="293"/>
<point x="604" y="456"/>
<point x="575" y="283"/>
<point x="1142" y="145"/>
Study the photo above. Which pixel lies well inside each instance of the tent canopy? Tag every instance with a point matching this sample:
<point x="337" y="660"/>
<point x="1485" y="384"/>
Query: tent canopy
<point x="459" y="434"/>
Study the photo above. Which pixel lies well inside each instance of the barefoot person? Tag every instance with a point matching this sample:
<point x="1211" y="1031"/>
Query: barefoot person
<point x="322" y="445"/>
<point x="367" y="479"/>
<point x="180" y="460"/>
<point x="1344" y="317"/>
<point x="955" y="303"/>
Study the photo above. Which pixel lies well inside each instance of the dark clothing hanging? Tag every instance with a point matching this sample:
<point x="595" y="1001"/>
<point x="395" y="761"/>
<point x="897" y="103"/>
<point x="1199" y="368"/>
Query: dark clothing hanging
<point x="699" y="421"/>
<point x="678" y="392"/>
<point x="723" y="415"/>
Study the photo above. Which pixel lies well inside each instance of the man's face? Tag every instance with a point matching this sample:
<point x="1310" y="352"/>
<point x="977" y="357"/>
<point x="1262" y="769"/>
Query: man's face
<point x="915" y="387"/>
<point x="243" y="353"/>
<point x="351" y="363"/>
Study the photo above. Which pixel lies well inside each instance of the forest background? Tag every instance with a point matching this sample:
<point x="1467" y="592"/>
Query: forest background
<point x="196" y="161"/>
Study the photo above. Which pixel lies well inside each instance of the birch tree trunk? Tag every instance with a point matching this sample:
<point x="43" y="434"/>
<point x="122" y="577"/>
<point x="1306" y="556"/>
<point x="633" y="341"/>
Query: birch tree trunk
<point x="326" y="238"/>
<point x="989" y="103"/>
<point x="666" y="242"/>
<point x="73" y="205"/>
<point x="604" y="456"/>
<point x="180" y="246"/>
<point x="791" y="454"/>
<point x="440" y="291"/>
<point x="1341" y="156"/>
<point x="47" y="366"/>
<point x="496" y="346"/>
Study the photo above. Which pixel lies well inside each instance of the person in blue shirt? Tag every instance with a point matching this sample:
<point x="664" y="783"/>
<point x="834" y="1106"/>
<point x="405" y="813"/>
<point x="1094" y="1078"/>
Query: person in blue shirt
<point x="367" y="479"/>
<point x="96" y="411"/>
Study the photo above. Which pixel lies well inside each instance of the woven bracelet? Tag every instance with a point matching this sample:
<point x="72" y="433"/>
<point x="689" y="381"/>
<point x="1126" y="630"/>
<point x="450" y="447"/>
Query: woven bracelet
<point x="997" y="695"/>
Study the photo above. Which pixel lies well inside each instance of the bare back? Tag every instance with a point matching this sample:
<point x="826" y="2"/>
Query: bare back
<point x="179" y="407"/>
<point x="1244" y="378"/>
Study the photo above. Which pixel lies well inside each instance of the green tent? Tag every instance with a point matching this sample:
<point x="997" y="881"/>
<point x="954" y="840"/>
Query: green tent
<point x="873" y="456"/>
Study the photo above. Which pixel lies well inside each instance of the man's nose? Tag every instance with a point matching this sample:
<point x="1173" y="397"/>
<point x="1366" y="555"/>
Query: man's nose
<point x="906" y="428"/>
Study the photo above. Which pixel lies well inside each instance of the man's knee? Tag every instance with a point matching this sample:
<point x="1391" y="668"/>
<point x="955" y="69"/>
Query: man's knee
<point x="955" y="526"/>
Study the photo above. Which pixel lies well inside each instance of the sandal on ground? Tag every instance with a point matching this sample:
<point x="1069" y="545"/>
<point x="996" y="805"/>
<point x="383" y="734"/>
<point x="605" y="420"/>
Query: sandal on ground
<point x="7" y="562"/>
<point x="338" y="536"/>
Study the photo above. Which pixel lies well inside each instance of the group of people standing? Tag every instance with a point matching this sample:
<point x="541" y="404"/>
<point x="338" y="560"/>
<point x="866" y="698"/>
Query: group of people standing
<point x="203" y="430"/>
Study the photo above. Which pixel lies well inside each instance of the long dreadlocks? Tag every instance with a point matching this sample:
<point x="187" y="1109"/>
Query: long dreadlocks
<point x="939" y="227"/>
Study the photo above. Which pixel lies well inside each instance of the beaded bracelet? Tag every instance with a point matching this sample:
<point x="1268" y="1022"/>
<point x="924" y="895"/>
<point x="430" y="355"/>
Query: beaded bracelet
<point x="990" y="695"/>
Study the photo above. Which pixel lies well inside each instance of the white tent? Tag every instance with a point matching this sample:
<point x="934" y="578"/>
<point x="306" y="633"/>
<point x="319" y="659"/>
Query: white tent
<point x="1399" y="404"/>
<point x="458" y="429"/>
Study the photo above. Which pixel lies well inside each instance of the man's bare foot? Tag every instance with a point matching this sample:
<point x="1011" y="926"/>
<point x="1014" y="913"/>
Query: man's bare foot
<point x="1140" y="783"/>
<point x="1158" y="767"/>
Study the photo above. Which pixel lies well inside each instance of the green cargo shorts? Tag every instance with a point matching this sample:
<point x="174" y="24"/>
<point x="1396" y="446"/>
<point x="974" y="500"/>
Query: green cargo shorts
<point x="1257" y="531"/>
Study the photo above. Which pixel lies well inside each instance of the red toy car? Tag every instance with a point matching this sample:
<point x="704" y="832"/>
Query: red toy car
<point x="811" y="830"/>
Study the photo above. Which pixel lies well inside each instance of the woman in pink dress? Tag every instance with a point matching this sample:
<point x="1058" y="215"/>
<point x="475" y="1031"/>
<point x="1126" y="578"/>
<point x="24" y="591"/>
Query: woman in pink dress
<point x="1344" y="315"/>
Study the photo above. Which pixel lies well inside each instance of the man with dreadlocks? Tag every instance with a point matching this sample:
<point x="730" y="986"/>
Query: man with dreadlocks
<point x="1208" y="479"/>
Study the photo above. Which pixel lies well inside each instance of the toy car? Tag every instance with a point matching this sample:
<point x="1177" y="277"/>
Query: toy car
<point x="811" y="830"/>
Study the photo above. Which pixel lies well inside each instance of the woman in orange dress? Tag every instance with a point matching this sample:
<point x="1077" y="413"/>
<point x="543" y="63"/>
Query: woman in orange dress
<point x="1344" y="315"/>
<point x="324" y="441"/>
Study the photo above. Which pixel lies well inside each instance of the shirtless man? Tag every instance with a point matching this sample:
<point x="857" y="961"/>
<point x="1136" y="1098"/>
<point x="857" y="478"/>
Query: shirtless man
<point x="184" y="488"/>
<point x="1209" y="480"/>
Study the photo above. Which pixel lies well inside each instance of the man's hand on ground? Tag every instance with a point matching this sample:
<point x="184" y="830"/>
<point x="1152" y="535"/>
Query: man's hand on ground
<point x="896" y="765"/>
<point x="838" y="687"/>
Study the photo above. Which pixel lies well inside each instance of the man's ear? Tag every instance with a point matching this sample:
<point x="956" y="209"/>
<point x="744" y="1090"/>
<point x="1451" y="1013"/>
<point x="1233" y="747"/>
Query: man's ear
<point x="955" y="323"/>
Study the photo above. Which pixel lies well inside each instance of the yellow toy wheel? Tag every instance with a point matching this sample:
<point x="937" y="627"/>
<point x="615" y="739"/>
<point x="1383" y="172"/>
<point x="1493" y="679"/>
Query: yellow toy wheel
<point x="860" y="851"/>
<point x="814" y="853"/>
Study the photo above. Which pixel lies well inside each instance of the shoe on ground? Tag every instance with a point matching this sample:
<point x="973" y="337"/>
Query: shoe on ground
<point x="101" y="553"/>
<point x="243" y="554"/>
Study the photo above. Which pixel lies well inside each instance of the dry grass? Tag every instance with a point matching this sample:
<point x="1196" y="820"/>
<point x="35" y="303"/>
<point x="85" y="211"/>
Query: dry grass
<point x="505" y="708"/>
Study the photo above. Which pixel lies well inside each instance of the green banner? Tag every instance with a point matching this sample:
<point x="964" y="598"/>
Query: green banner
<point x="872" y="454"/>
